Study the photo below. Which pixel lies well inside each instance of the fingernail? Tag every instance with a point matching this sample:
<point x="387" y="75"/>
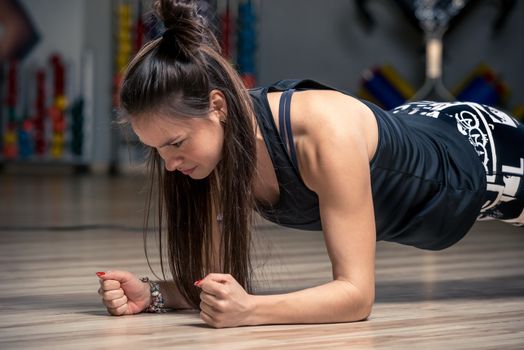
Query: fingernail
<point x="100" y="274"/>
<point x="197" y="283"/>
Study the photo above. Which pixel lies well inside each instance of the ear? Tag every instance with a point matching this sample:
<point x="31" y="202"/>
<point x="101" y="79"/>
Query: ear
<point x="218" y="104"/>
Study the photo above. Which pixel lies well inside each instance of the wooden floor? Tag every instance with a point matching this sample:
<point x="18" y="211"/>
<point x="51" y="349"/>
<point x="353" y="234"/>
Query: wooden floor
<point x="470" y="296"/>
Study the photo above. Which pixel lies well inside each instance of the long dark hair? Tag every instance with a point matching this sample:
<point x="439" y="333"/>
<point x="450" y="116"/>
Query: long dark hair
<point x="174" y="75"/>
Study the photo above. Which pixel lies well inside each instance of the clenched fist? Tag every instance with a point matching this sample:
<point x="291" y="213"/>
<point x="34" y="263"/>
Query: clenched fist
<point x="224" y="302"/>
<point x="122" y="293"/>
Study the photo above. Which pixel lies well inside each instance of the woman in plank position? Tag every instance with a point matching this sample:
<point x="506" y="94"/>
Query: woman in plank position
<point x="306" y="156"/>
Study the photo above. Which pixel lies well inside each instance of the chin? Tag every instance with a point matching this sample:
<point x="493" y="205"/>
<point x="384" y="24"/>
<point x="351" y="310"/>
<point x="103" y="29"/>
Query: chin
<point x="199" y="175"/>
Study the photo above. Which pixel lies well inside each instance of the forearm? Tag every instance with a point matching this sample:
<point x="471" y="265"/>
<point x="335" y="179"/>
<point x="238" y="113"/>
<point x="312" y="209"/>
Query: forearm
<point x="173" y="298"/>
<point x="336" y="301"/>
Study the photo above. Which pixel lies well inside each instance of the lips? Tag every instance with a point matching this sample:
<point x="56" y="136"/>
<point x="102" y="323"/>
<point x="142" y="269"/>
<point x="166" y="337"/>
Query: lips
<point x="187" y="171"/>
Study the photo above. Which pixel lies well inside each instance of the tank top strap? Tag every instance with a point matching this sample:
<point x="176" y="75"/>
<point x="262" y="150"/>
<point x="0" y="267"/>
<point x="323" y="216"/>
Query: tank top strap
<point x="284" y="117"/>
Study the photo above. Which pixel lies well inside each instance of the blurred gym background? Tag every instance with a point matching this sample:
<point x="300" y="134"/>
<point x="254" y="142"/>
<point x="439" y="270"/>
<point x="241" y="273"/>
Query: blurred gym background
<point x="58" y="84"/>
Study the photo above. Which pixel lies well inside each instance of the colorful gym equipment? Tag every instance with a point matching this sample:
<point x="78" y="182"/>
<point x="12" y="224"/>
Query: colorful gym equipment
<point x="225" y="32"/>
<point x="10" y="138"/>
<point x="399" y="83"/>
<point x="385" y="87"/>
<point x="77" y="126"/>
<point x="25" y="139"/>
<point x="124" y="36"/>
<point x="48" y="128"/>
<point x="58" y="108"/>
<point x="518" y="112"/>
<point x="40" y="113"/>
<point x="124" y="46"/>
<point x="434" y="18"/>
<point x="483" y="86"/>
<point x="246" y="43"/>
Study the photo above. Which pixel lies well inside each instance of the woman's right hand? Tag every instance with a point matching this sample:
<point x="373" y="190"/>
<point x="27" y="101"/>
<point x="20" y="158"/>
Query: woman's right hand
<point x="122" y="293"/>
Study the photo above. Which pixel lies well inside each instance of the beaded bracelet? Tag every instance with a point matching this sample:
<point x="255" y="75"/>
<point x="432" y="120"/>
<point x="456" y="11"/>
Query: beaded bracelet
<point x="157" y="299"/>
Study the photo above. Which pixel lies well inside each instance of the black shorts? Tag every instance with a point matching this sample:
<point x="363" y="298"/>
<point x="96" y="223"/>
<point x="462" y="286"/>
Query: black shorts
<point x="498" y="140"/>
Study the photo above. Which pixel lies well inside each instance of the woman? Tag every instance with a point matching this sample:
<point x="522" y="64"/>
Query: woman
<point x="306" y="156"/>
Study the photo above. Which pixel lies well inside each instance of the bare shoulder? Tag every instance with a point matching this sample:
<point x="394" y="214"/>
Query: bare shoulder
<point x="331" y="124"/>
<point x="317" y="114"/>
<point x="330" y="113"/>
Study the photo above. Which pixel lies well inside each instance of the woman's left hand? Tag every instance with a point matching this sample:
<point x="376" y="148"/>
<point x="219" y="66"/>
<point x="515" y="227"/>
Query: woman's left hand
<point x="223" y="301"/>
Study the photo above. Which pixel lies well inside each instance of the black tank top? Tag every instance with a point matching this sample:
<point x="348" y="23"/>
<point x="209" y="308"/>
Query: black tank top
<point x="427" y="181"/>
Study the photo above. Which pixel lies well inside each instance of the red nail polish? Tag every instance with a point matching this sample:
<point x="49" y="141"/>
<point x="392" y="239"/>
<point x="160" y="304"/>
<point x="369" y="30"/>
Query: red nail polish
<point x="100" y="274"/>
<point x="197" y="283"/>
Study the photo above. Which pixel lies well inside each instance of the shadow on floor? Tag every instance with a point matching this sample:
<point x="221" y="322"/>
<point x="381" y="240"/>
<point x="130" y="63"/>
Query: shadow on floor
<point x="475" y="289"/>
<point x="386" y="292"/>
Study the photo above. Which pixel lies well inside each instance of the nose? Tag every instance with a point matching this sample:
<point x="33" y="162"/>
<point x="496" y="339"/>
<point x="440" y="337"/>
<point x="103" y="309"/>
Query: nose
<point x="171" y="162"/>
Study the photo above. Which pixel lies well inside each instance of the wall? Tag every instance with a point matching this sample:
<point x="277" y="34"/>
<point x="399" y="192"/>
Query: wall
<point x="326" y="41"/>
<point x="61" y="24"/>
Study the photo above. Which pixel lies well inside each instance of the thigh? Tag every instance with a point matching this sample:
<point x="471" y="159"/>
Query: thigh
<point x="498" y="140"/>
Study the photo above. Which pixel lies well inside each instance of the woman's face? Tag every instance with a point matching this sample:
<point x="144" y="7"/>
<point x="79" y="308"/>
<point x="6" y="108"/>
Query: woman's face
<point x="192" y="146"/>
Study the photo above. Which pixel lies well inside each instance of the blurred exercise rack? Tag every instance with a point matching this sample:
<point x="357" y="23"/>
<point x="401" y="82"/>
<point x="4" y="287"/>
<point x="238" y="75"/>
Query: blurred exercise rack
<point x="46" y="112"/>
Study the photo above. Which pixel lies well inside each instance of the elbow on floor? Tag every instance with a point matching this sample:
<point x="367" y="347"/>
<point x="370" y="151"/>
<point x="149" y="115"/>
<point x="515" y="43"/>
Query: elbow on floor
<point x="367" y="312"/>
<point x="360" y="303"/>
<point x="364" y="311"/>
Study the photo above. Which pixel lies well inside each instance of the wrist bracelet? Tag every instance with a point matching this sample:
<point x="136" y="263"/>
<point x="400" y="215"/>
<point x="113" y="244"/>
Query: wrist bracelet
<point x="157" y="299"/>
